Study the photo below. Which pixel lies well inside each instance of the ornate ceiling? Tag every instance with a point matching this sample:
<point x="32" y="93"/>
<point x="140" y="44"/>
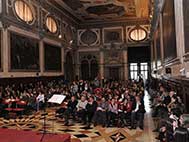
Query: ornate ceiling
<point x="105" y="10"/>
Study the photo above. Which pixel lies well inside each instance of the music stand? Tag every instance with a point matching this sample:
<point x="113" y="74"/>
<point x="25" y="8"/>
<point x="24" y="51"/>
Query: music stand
<point x="57" y="99"/>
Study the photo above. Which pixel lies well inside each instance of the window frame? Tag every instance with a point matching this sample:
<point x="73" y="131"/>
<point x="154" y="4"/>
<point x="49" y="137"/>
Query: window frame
<point x="54" y="19"/>
<point x="138" y="28"/>
<point x="31" y="9"/>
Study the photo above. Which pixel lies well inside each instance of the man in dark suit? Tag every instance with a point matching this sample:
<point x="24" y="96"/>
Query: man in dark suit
<point x="90" y="110"/>
<point x="137" y="114"/>
<point x="140" y="112"/>
<point x="133" y="113"/>
<point x="71" y="109"/>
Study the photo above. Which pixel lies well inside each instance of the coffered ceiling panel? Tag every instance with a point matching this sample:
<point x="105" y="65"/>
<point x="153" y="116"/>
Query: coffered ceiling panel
<point x="105" y="10"/>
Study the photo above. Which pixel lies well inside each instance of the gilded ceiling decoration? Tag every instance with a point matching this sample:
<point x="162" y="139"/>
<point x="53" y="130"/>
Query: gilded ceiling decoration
<point x="99" y="10"/>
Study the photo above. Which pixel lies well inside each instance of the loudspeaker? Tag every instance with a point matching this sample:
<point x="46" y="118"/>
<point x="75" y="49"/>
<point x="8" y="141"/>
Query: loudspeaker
<point x="168" y="70"/>
<point x="155" y="72"/>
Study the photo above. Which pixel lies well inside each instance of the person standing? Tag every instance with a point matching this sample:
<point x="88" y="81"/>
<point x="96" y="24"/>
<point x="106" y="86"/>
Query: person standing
<point x="140" y="110"/>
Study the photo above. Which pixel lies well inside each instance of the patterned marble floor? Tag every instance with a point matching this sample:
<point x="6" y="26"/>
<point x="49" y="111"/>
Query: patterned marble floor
<point x="80" y="133"/>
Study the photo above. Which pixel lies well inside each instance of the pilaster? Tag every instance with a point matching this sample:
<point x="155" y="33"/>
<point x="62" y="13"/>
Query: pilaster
<point x="125" y="61"/>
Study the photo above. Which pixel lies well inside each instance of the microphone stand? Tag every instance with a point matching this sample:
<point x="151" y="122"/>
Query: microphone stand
<point x="44" y="123"/>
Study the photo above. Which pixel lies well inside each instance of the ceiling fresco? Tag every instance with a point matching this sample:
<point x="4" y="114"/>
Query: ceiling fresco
<point x="100" y="10"/>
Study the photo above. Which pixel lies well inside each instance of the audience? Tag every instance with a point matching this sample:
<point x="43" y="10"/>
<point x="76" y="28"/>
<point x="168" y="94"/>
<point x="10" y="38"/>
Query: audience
<point x="100" y="116"/>
<point x="81" y="109"/>
<point x="169" y="111"/>
<point x="111" y="104"/>
<point x="90" y="110"/>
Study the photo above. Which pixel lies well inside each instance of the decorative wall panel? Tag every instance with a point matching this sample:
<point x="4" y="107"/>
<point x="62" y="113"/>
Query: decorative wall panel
<point x="89" y="37"/>
<point x="0" y="6"/>
<point x="113" y="57"/>
<point x="186" y="23"/>
<point x="1" y="49"/>
<point x="113" y="35"/>
<point x="24" y="53"/>
<point x="158" y="46"/>
<point x="169" y="35"/>
<point x="69" y="33"/>
<point x="52" y="57"/>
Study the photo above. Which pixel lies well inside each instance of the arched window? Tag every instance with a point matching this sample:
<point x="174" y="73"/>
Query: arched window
<point x="51" y="24"/>
<point x="24" y="11"/>
<point x="89" y="67"/>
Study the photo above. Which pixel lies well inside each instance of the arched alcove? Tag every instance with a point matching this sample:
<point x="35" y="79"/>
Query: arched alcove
<point x="85" y="70"/>
<point x="69" y="67"/>
<point x="89" y="67"/>
<point x="94" y="69"/>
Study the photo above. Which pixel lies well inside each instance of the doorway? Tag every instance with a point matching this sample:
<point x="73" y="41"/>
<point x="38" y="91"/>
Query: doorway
<point x="69" y="67"/>
<point x="114" y="73"/>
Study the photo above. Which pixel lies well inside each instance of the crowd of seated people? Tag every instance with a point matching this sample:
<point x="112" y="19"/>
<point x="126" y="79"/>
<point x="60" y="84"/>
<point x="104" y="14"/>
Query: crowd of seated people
<point x="111" y="104"/>
<point x="115" y="104"/>
<point x="33" y="95"/>
<point x="169" y="112"/>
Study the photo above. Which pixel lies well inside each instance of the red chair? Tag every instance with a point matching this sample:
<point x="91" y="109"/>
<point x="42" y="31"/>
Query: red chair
<point x="8" y="109"/>
<point x="18" y="111"/>
<point x="21" y="104"/>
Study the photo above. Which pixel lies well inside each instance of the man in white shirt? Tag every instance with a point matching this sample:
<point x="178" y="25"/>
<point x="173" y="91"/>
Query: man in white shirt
<point x="81" y="108"/>
<point x="40" y="100"/>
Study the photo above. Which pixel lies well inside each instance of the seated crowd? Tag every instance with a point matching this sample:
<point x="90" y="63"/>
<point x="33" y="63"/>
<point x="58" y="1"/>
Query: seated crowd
<point x="30" y="96"/>
<point x="115" y="104"/>
<point x="168" y="110"/>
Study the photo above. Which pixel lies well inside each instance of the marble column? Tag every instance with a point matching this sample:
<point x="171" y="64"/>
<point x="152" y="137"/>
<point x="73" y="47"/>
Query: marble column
<point x="77" y="72"/>
<point x="4" y="4"/>
<point x="1" y="5"/>
<point x="152" y="55"/>
<point x="5" y="51"/>
<point x="161" y="40"/>
<point x="179" y="27"/>
<point x="155" y="53"/>
<point x="41" y="57"/>
<point x="62" y="60"/>
<point x="125" y="62"/>
<point x="101" y="64"/>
